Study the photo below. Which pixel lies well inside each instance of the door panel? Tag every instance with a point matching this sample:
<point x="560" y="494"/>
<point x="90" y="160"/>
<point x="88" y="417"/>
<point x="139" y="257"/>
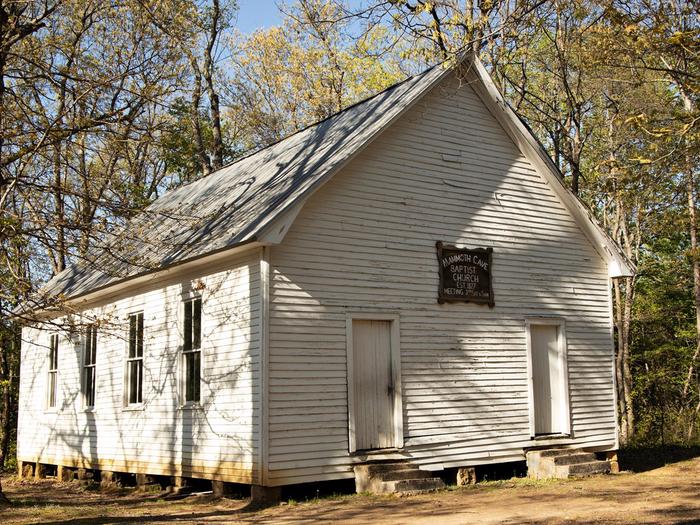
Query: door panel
<point x="548" y="380"/>
<point x="373" y="388"/>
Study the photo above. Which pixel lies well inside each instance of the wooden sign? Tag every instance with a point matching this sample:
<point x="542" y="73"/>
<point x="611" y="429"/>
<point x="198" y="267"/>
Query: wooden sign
<point x="465" y="275"/>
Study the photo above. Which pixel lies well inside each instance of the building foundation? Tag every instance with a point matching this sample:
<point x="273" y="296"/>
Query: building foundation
<point x="265" y="495"/>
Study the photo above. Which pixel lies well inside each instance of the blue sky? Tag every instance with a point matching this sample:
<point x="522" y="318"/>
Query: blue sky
<point x="256" y="14"/>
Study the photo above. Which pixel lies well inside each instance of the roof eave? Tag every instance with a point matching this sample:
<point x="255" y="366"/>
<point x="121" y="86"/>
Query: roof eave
<point x="108" y="292"/>
<point x="618" y="263"/>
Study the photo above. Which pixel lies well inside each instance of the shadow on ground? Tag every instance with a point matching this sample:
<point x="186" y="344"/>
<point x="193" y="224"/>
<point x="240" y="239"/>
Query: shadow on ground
<point x="642" y="459"/>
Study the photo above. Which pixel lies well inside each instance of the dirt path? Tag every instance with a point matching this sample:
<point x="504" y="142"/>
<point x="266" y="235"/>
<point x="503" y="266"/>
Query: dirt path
<point x="670" y="494"/>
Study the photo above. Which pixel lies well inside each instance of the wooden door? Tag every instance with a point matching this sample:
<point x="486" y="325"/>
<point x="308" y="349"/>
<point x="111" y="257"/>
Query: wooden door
<point x="548" y="380"/>
<point x="372" y="388"/>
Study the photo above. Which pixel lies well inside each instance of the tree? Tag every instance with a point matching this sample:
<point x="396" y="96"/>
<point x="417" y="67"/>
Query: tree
<point x="660" y="41"/>
<point x="287" y="77"/>
<point x="81" y="87"/>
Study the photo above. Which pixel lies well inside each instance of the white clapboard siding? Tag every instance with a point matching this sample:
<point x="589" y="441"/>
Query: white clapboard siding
<point x="366" y="241"/>
<point x="219" y="440"/>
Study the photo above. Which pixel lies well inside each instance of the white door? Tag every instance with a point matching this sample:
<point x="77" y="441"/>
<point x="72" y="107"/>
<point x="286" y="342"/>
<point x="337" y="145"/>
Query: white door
<point x="549" y="390"/>
<point x="372" y="384"/>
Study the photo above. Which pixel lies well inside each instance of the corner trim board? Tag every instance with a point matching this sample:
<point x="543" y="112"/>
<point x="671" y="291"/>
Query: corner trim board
<point x="264" y="364"/>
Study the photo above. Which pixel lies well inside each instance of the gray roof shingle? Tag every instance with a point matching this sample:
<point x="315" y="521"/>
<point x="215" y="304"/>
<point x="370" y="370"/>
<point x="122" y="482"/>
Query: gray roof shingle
<point x="230" y="206"/>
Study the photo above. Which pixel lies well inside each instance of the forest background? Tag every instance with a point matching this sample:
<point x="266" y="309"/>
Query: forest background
<point x="107" y="104"/>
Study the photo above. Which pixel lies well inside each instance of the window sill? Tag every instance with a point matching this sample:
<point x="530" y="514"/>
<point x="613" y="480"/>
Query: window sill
<point x="190" y="406"/>
<point x="89" y="410"/>
<point x="545" y="437"/>
<point x="53" y="410"/>
<point x="133" y="408"/>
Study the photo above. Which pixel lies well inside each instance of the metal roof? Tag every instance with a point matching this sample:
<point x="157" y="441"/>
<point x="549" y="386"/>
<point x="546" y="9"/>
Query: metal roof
<point x="233" y="205"/>
<point x="230" y="206"/>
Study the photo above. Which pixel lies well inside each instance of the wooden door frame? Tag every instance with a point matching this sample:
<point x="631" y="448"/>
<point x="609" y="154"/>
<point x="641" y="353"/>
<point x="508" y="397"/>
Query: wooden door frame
<point x="375" y="315"/>
<point x="562" y="345"/>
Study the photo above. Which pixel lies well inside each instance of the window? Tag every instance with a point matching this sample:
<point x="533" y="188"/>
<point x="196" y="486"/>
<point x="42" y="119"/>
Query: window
<point x="53" y="371"/>
<point x="89" y="359"/>
<point x="191" y="349"/>
<point x="134" y="363"/>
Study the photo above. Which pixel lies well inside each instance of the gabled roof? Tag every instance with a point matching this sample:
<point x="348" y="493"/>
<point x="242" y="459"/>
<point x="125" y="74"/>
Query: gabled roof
<point x="231" y="206"/>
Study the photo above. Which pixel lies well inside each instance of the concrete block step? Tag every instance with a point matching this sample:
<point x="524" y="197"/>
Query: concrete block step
<point x="405" y="473"/>
<point x="573" y="459"/>
<point x="415" y="486"/>
<point x="583" y="469"/>
<point x="373" y="469"/>
<point x="554" y="452"/>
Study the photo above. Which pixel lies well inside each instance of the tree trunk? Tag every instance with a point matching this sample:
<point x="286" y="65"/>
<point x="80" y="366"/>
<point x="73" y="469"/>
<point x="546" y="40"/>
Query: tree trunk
<point x="5" y="377"/>
<point x="619" y="355"/>
<point x="693" y="226"/>
<point x="627" y="373"/>
<point x="196" y="122"/>
<point x="623" y="376"/>
<point x="60" y="252"/>
<point x="217" y="160"/>
<point x="3" y="499"/>
<point x="689" y="107"/>
<point x="10" y="342"/>
<point x="623" y="301"/>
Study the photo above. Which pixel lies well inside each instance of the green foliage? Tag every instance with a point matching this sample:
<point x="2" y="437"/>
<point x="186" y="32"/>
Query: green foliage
<point x="663" y="338"/>
<point x="104" y="106"/>
<point x="179" y="151"/>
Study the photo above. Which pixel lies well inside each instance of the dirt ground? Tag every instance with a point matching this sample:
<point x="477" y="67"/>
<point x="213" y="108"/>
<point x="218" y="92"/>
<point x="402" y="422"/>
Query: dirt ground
<point x="670" y="494"/>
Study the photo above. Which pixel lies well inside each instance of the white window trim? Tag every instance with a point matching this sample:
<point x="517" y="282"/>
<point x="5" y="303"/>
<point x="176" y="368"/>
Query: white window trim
<point x="182" y="369"/>
<point x="47" y="402"/>
<point x="85" y="406"/>
<point x="560" y="323"/>
<point x="375" y="315"/>
<point x="126" y="405"/>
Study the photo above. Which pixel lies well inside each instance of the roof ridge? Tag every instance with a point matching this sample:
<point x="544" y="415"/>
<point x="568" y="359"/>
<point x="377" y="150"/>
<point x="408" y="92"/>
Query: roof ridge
<point x="255" y="151"/>
<point x="252" y="152"/>
<point x="225" y="224"/>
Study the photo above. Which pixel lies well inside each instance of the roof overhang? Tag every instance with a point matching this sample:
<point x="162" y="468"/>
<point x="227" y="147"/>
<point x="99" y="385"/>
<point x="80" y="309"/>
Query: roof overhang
<point x="274" y="226"/>
<point x="618" y="263"/>
<point x="141" y="283"/>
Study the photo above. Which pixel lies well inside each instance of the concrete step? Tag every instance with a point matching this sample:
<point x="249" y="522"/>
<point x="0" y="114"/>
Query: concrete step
<point x="373" y="469"/>
<point x="563" y="463"/>
<point x="392" y="477"/>
<point x="405" y="473"/>
<point x="414" y="486"/>
<point x="573" y="459"/>
<point x="554" y="452"/>
<point x="583" y="469"/>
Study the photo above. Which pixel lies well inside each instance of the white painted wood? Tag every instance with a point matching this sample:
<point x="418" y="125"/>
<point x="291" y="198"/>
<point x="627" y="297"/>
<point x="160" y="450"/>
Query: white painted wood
<point x="219" y="439"/>
<point x="548" y="378"/>
<point x="372" y="387"/>
<point x="356" y="381"/>
<point x="366" y="241"/>
<point x="613" y="365"/>
<point x="265" y="360"/>
<point x="276" y="400"/>
<point x="619" y="265"/>
<point x="275" y="231"/>
<point x="151" y="280"/>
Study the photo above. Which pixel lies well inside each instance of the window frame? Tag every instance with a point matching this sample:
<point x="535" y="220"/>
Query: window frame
<point x="137" y="359"/>
<point x="191" y="349"/>
<point x="89" y="349"/>
<point x="52" y="374"/>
